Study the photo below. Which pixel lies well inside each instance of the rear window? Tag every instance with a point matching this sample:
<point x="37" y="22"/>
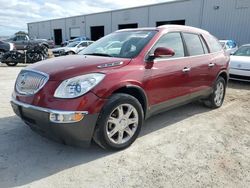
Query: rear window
<point x="213" y="43"/>
<point x="194" y="45"/>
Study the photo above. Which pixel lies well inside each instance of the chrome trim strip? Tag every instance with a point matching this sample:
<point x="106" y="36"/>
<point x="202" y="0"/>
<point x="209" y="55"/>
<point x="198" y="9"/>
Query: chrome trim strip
<point x="110" y="64"/>
<point x="25" y="105"/>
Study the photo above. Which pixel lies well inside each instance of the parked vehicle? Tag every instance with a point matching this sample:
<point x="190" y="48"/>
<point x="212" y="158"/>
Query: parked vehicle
<point x="240" y="64"/>
<point x="230" y="46"/>
<point x="33" y="54"/>
<point x="78" y="39"/>
<point x="5" y="47"/>
<point x="71" y="48"/>
<point x="22" y="41"/>
<point x="106" y="95"/>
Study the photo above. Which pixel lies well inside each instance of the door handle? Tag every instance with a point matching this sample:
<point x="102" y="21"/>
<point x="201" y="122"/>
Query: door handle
<point x="211" y="64"/>
<point x="186" y="69"/>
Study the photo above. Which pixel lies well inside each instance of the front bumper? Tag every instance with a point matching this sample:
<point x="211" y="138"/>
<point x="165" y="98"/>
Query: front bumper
<point x="38" y="119"/>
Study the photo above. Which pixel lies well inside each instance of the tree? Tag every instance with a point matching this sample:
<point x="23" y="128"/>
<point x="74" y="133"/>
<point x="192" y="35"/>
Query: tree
<point x="21" y="33"/>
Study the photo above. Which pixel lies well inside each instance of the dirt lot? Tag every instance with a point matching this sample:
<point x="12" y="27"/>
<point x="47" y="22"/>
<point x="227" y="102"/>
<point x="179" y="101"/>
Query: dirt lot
<point x="191" y="146"/>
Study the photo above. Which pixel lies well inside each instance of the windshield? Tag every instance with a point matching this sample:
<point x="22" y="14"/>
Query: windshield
<point x="243" y="51"/>
<point x="72" y="44"/>
<point x="126" y="44"/>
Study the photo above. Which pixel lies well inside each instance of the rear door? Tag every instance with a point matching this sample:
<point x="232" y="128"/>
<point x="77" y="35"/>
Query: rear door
<point x="199" y="60"/>
<point x="167" y="79"/>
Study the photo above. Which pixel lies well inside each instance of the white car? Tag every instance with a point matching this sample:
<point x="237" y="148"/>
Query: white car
<point x="239" y="66"/>
<point x="230" y="46"/>
<point x="71" y="48"/>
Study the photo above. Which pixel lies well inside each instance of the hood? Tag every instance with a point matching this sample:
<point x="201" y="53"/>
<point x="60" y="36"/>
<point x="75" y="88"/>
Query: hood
<point x="240" y="62"/>
<point x="61" y="68"/>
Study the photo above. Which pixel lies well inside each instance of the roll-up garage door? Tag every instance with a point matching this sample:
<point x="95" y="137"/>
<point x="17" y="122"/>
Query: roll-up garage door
<point x="74" y="32"/>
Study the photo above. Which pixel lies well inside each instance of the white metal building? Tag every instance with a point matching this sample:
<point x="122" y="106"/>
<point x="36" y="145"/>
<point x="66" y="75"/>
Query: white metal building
<point x="226" y="19"/>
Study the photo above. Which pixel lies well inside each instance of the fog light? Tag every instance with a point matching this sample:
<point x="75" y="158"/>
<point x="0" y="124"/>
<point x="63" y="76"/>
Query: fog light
<point x="66" y="117"/>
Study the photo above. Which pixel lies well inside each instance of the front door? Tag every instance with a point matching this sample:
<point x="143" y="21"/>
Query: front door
<point x="168" y="78"/>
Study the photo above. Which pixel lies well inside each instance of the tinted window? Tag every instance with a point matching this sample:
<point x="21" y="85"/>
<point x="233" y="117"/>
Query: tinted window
<point x="193" y="43"/>
<point x="213" y="43"/>
<point x="173" y="41"/>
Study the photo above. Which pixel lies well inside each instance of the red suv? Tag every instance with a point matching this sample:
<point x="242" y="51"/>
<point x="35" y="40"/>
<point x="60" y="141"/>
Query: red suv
<point x="108" y="90"/>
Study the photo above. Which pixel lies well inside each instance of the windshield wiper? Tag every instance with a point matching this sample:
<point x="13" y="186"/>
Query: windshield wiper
<point x="99" y="54"/>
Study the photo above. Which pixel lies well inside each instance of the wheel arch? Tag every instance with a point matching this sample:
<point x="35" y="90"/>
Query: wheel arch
<point x="137" y="92"/>
<point x="224" y="75"/>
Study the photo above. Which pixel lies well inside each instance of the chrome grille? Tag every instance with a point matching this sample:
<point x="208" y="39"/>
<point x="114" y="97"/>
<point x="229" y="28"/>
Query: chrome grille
<point x="30" y="82"/>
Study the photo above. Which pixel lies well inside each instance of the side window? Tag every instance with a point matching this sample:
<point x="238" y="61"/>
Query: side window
<point x="83" y="44"/>
<point x="194" y="45"/>
<point x="89" y="43"/>
<point x="173" y="41"/>
<point x="213" y="43"/>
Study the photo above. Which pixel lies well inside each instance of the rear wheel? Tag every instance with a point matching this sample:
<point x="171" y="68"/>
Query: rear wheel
<point x="119" y="122"/>
<point x="70" y="53"/>
<point x="216" y="99"/>
<point x="1" y="54"/>
<point x="10" y="62"/>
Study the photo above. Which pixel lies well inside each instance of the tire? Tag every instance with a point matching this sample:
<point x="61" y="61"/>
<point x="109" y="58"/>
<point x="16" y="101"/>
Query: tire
<point x="1" y="54"/>
<point x="10" y="62"/>
<point x="70" y="53"/>
<point x="114" y="132"/>
<point x="215" y="100"/>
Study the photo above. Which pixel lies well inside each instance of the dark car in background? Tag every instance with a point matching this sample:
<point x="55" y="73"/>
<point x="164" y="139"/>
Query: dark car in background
<point x="22" y="41"/>
<point x="5" y="47"/>
<point x="106" y="95"/>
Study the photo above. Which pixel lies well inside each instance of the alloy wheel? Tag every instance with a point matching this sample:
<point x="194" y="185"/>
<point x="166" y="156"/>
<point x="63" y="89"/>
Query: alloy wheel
<point x="122" y="124"/>
<point x="219" y="93"/>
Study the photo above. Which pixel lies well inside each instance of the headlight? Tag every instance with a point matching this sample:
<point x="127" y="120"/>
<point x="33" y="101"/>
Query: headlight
<point x="77" y="86"/>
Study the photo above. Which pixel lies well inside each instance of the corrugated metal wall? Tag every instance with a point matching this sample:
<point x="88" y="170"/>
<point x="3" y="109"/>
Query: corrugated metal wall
<point x="227" y="19"/>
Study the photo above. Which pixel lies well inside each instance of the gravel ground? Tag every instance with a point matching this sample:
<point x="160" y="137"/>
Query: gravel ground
<point x="190" y="146"/>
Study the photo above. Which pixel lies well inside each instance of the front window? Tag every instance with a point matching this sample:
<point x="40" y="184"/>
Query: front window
<point x="126" y="44"/>
<point x="243" y="51"/>
<point x="172" y="41"/>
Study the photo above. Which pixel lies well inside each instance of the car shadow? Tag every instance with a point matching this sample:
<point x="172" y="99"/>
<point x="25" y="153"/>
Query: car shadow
<point x="26" y="157"/>
<point x="3" y="65"/>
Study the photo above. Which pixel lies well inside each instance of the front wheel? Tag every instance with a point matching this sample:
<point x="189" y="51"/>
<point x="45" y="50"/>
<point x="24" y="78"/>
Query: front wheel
<point x="216" y="99"/>
<point x="119" y="122"/>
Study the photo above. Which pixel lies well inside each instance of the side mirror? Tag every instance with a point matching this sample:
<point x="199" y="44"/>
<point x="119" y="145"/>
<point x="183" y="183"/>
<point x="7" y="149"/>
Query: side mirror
<point x="161" y="52"/>
<point x="164" y="52"/>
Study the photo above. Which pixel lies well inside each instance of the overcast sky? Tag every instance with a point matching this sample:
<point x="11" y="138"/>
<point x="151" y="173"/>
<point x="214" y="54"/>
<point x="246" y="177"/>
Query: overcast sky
<point x="15" y="14"/>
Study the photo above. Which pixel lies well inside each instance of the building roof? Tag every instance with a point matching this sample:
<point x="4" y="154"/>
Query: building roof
<point x="110" y="11"/>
